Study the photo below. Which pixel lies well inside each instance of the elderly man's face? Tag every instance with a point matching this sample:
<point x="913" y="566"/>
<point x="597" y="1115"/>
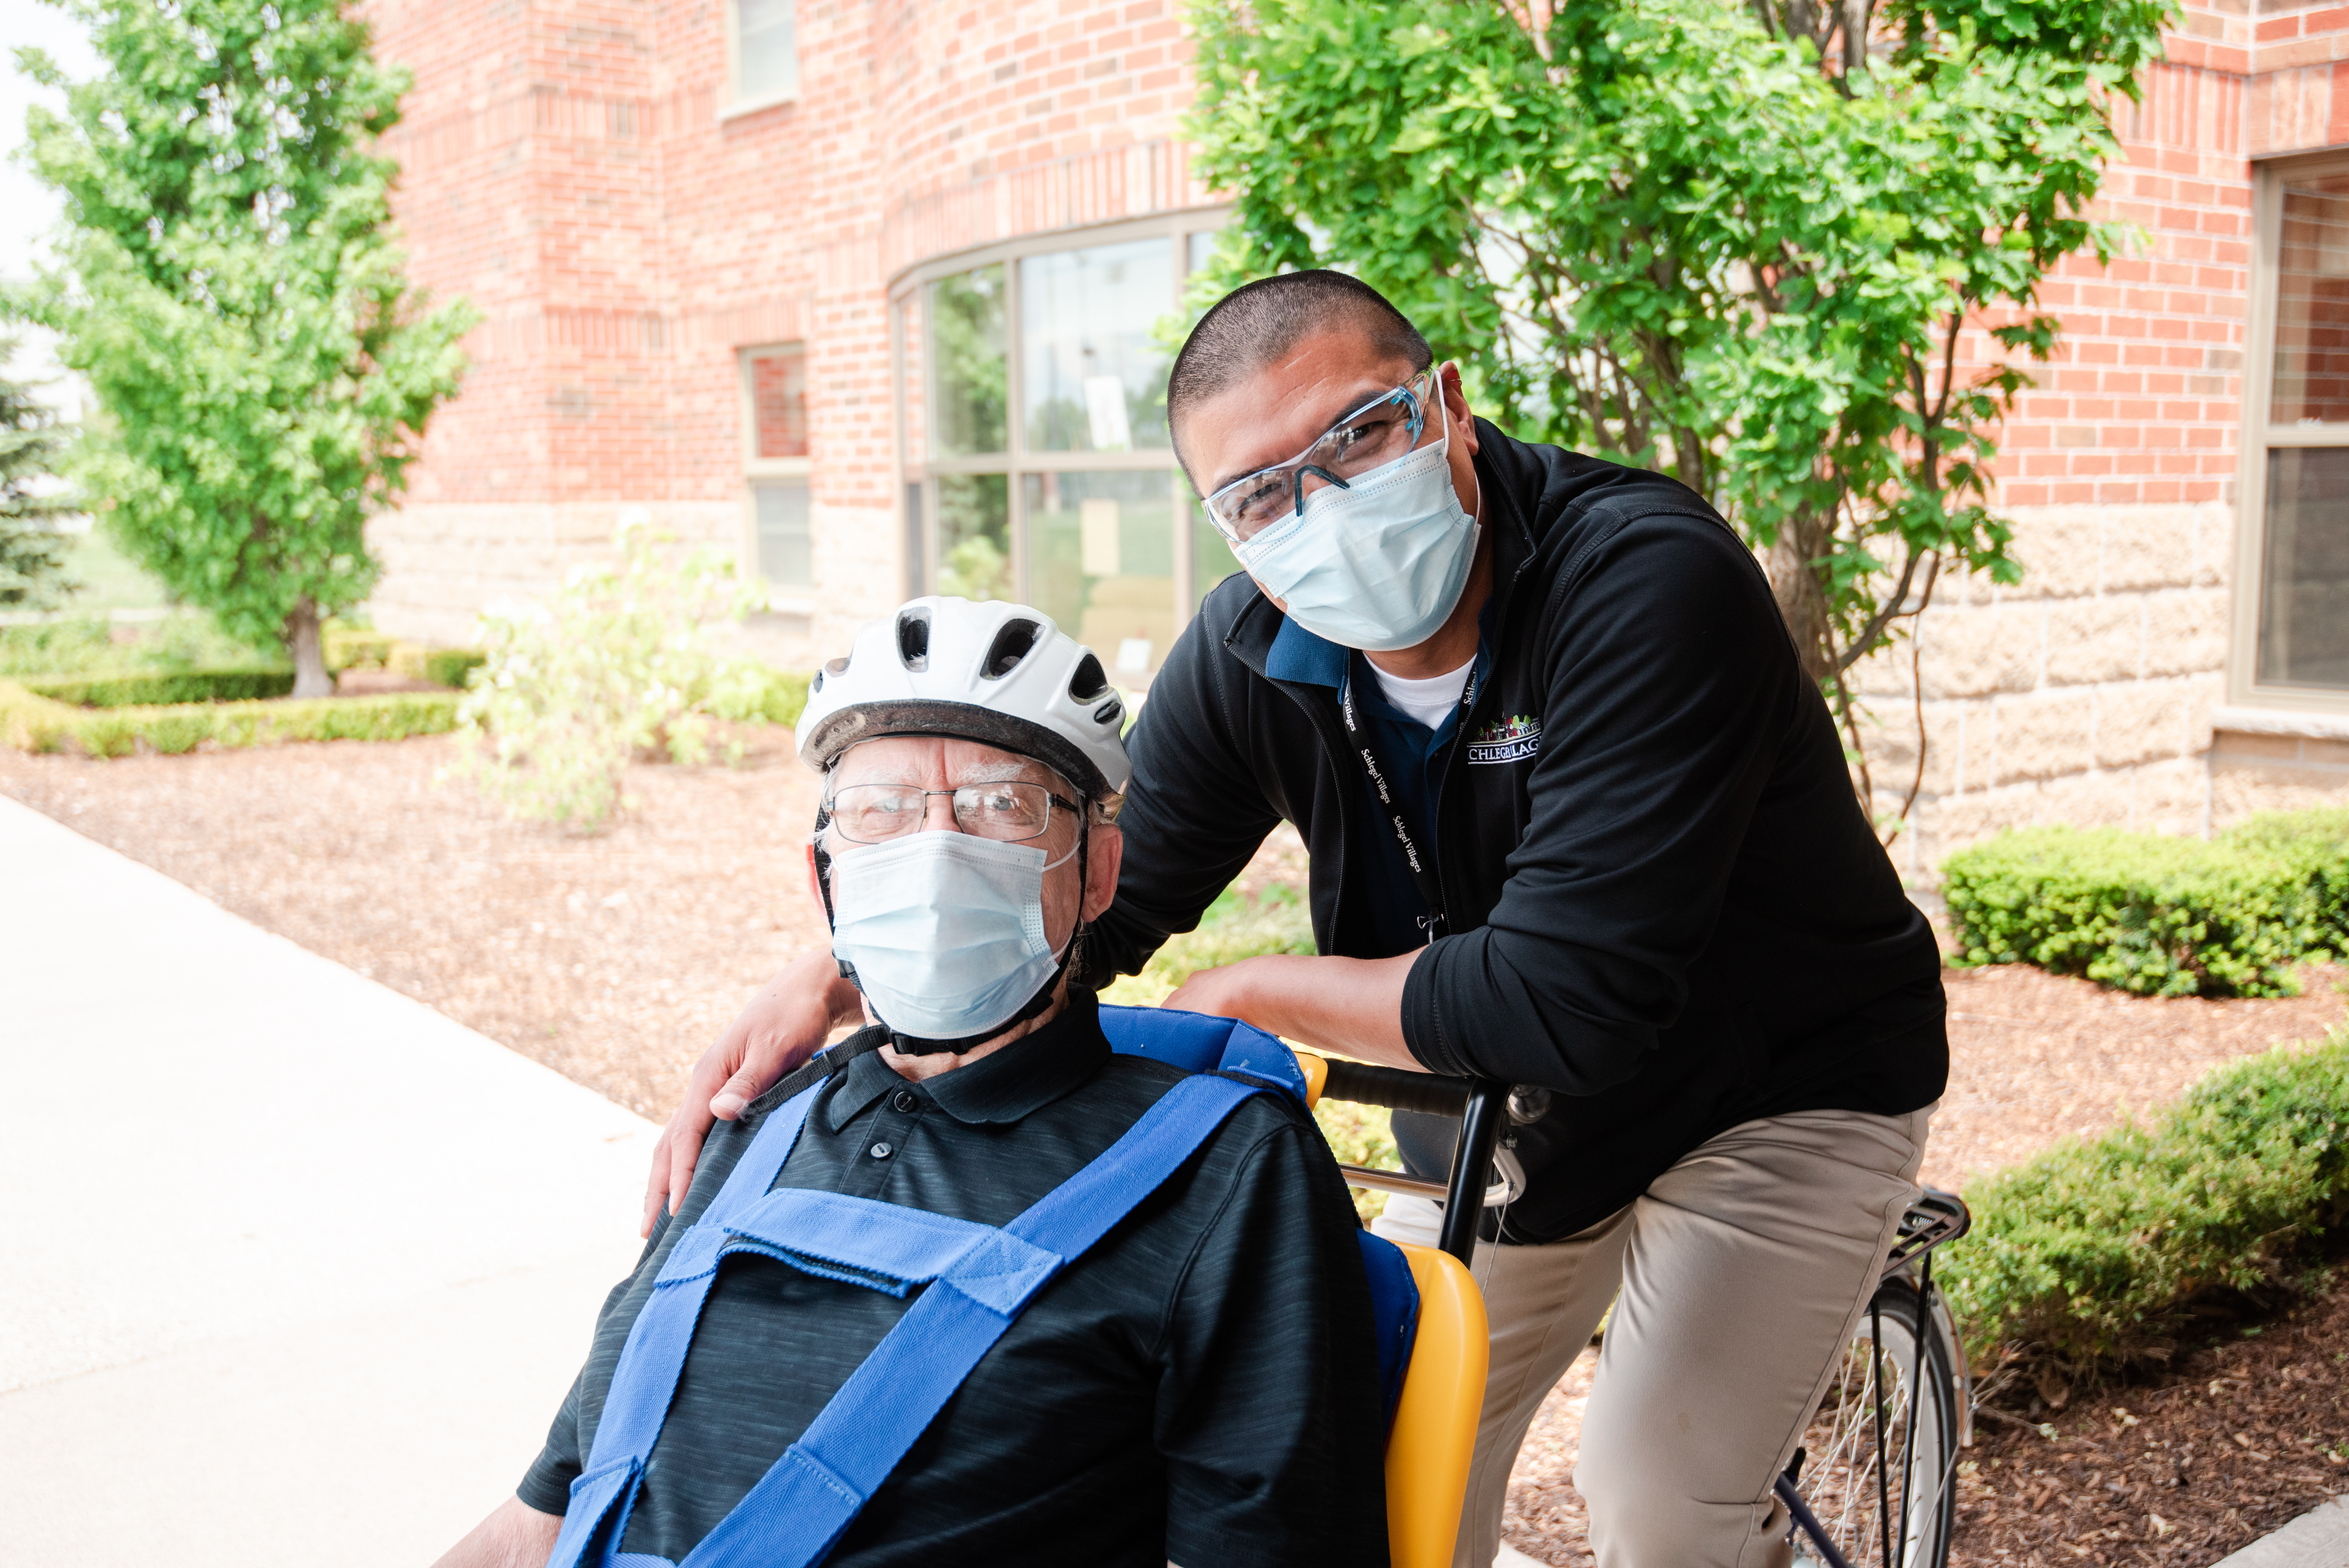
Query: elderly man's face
<point x="926" y="762"/>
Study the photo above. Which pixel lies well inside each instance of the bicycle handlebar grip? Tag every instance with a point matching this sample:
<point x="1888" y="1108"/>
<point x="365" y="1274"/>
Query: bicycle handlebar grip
<point x="1395" y="1090"/>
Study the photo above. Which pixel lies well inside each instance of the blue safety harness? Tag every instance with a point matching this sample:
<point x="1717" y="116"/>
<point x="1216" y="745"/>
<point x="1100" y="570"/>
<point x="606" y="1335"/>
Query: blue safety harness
<point x="978" y="1279"/>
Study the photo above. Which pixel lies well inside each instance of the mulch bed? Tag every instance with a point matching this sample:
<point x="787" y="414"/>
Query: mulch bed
<point x="616" y="959"/>
<point x="2231" y="1441"/>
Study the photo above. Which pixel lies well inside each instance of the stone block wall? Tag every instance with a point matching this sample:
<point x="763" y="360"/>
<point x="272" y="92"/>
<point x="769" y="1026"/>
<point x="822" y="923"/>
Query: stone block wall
<point x="2083" y="695"/>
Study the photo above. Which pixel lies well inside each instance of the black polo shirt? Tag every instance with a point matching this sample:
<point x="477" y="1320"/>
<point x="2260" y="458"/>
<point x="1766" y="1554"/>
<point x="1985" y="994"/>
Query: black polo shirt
<point x="1201" y="1386"/>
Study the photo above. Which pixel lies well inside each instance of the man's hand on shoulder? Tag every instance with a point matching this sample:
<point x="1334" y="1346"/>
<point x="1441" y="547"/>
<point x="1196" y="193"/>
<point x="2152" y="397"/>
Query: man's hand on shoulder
<point x="783" y="1026"/>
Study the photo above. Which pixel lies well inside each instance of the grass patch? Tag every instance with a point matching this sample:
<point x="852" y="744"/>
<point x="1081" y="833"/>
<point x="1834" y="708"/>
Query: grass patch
<point x="2089" y="1256"/>
<point x="110" y="578"/>
<point x="90" y="645"/>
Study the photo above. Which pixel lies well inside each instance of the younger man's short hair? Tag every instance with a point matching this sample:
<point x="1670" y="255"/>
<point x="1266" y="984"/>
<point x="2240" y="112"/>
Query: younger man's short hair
<point x="1259" y="322"/>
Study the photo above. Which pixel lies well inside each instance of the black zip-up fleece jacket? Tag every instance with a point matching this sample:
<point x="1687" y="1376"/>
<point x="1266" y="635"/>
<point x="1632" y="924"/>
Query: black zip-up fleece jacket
<point x="1670" y="909"/>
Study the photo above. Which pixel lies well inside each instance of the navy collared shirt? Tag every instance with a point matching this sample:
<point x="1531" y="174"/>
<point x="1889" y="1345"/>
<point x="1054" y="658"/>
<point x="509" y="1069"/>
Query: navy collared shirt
<point x="1201" y="1386"/>
<point x="1411" y="755"/>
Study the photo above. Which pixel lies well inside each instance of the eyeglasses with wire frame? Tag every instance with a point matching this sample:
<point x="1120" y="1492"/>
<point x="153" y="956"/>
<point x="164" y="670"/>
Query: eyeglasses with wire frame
<point x="1009" y="813"/>
<point x="1378" y="432"/>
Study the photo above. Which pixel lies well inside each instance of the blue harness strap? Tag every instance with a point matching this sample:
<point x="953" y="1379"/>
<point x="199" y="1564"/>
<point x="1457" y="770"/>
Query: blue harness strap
<point x="980" y="1279"/>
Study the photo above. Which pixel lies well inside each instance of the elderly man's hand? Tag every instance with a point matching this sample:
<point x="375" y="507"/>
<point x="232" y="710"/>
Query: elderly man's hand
<point x="783" y="1026"/>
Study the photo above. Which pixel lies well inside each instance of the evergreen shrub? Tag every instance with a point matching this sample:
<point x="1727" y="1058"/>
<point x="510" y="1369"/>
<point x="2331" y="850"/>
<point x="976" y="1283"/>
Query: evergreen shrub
<point x="2156" y="915"/>
<point x="33" y="723"/>
<point x="2090" y="1252"/>
<point x="160" y="688"/>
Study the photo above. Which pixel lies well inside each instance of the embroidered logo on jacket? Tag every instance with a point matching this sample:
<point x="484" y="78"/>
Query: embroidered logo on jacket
<point x="1511" y="741"/>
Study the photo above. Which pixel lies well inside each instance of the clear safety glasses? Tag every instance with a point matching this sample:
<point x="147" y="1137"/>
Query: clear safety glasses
<point x="1378" y="432"/>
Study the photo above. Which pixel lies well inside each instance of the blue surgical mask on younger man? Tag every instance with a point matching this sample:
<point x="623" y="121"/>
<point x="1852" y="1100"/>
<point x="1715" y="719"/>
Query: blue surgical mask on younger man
<point x="946" y="931"/>
<point x="1377" y="565"/>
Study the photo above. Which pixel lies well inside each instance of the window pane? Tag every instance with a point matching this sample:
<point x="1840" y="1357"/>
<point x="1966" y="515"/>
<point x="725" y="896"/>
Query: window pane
<point x="913" y="576"/>
<point x="2312" y="341"/>
<point x="784" y="555"/>
<point x="1093" y="381"/>
<point x="1101" y="563"/>
<point x="766" y="55"/>
<point x="779" y="402"/>
<point x="2305" y="570"/>
<point x="1203" y="249"/>
<point x="967" y="351"/>
<point x="974" y="535"/>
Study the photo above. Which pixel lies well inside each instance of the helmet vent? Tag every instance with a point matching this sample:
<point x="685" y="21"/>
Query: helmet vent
<point x="1107" y="713"/>
<point x="1089" y="683"/>
<point x="1012" y="641"/>
<point x="913" y="640"/>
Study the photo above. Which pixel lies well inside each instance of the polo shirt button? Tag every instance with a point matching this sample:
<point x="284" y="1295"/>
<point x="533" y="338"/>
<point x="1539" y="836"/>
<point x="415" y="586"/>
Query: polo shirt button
<point x="902" y="1100"/>
<point x="881" y="1151"/>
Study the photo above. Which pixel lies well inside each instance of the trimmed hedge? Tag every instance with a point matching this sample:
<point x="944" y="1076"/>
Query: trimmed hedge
<point x="151" y="688"/>
<point x="356" y="647"/>
<point x="441" y="667"/>
<point x="2090" y="1252"/>
<point x="2159" y="916"/>
<point x="32" y="723"/>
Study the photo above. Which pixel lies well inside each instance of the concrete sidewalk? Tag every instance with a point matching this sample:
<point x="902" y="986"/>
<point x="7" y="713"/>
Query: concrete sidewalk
<point x="297" y="1269"/>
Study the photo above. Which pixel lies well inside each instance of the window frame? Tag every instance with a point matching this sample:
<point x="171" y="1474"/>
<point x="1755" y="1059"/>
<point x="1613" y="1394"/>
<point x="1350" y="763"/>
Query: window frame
<point x="2245" y="689"/>
<point x="790" y="598"/>
<point x="920" y="470"/>
<point x="736" y="104"/>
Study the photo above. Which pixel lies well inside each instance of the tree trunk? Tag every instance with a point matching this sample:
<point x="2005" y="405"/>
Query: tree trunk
<point x="1795" y="584"/>
<point x="310" y="677"/>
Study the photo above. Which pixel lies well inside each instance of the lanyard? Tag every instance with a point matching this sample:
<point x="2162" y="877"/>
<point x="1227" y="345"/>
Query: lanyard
<point x="1422" y="867"/>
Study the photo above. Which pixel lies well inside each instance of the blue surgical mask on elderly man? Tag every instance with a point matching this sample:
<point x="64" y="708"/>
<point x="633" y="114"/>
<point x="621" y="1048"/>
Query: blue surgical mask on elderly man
<point x="1377" y="565"/>
<point x="946" y="931"/>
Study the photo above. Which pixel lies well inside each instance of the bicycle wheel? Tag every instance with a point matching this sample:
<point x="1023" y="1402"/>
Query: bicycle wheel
<point x="1885" y="1440"/>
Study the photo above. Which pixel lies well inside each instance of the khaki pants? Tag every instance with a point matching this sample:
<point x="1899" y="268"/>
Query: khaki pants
<point x="1742" y="1270"/>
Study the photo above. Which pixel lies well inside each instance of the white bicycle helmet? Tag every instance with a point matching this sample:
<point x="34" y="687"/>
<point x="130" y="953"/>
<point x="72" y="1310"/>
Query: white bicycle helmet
<point x="1002" y="675"/>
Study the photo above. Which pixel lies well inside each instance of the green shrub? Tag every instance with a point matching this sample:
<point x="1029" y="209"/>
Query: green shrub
<point x="34" y="723"/>
<point x="2316" y="841"/>
<point x="163" y="688"/>
<point x="441" y="667"/>
<point x="356" y="647"/>
<point x="2089" y="1252"/>
<point x="745" y="691"/>
<point x="2159" y="916"/>
<point x="622" y="659"/>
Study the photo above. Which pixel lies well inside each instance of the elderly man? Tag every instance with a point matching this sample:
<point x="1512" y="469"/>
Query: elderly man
<point x="1579" y="823"/>
<point x="969" y="1287"/>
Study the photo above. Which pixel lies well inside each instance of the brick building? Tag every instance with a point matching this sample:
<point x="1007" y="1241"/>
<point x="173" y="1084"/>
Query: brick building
<point x="864" y="293"/>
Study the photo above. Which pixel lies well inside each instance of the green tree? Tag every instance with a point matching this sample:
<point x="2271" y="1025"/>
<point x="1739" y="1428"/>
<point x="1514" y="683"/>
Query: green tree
<point x="1694" y="237"/>
<point x="32" y="550"/>
<point x="229" y="287"/>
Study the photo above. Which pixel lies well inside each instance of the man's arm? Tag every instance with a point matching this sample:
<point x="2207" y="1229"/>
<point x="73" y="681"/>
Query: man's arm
<point x="515" y="1535"/>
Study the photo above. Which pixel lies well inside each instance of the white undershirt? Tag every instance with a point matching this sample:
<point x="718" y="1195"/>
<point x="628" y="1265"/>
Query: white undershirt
<point x="1430" y="701"/>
